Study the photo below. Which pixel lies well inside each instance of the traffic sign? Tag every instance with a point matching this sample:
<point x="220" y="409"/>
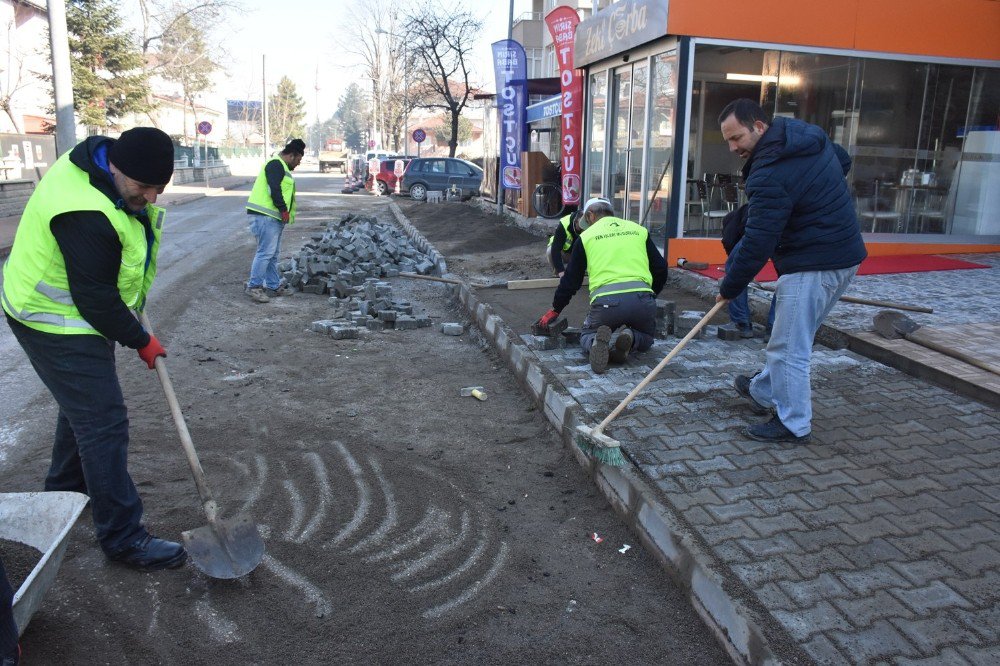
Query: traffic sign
<point x="419" y="135"/>
<point x="204" y="127"/>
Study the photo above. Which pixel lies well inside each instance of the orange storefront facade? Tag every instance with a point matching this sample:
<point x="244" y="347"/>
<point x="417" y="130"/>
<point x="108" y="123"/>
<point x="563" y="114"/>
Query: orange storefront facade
<point x="910" y="88"/>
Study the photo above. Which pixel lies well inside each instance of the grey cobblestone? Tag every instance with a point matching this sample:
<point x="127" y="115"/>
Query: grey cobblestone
<point x="810" y="592"/>
<point x="803" y="623"/>
<point x="823" y="651"/>
<point x="817" y="539"/>
<point x="985" y="621"/>
<point x="880" y="576"/>
<point x="982" y="590"/>
<point x="932" y="634"/>
<point x="774" y="524"/>
<point x="875" y="551"/>
<point x="770" y="546"/>
<point x="922" y="572"/>
<point x="949" y="656"/>
<point x="975" y="561"/>
<point x="863" y="611"/>
<point x="933" y="597"/>
<point x="869" y="529"/>
<point x="879" y="641"/>
<point x="810" y="565"/>
<point x="987" y="656"/>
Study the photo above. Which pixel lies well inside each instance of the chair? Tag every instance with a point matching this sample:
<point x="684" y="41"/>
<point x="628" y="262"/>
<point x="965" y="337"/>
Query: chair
<point x="875" y="215"/>
<point x="708" y="215"/>
<point x="929" y="211"/>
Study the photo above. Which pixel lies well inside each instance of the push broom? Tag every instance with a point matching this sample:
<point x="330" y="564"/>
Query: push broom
<point x="606" y="450"/>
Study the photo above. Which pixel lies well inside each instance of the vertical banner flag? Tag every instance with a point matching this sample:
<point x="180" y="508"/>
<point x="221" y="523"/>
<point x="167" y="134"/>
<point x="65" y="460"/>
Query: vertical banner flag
<point x="511" y="76"/>
<point x="562" y="22"/>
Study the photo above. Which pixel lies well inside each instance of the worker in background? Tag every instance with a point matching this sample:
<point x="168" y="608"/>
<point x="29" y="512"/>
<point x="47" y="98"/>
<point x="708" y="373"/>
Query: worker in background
<point x="733" y="225"/>
<point x="800" y="215"/>
<point x="561" y="242"/>
<point x="270" y="207"/>
<point x="10" y="652"/>
<point x="626" y="274"/>
<point x="83" y="257"/>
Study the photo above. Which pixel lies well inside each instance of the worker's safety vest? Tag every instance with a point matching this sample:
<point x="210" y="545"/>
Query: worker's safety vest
<point x="260" y="196"/>
<point x="565" y="222"/>
<point x="616" y="257"/>
<point x="35" y="286"/>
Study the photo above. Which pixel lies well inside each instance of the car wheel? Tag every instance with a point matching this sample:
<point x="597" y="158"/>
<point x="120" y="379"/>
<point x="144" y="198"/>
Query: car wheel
<point x="418" y="191"/>
<point x="383" y="189"/>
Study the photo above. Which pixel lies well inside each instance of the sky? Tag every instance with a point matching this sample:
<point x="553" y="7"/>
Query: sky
<point x="302" y="39"/>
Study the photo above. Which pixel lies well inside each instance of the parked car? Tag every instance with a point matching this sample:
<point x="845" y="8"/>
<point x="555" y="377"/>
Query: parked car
<point x="384" y="182"/>
<point x="442" y="174"/>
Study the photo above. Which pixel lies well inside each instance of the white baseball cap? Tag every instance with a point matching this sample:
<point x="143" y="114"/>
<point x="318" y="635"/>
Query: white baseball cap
<point x="595" y="200"/>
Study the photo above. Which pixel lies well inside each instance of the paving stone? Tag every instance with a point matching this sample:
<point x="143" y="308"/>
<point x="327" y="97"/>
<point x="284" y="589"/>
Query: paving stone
<point x="949" y="656"/>
<point x="807" y="593"/>
<point x="863" y="611"/>
<point x="803" y="623"/>
<point x="879" y="641"/>
<point x="754" y="574"/>
<point x="974" y="561"/>
<point x="817" y="539"/>
<point x="823" y="651"/>
<point x="932" y="597"/>
<point x="775" y="545"/>
<point x="932" y="634"/>
<point x="982" y="590"/>
<point x="984" y="621"/>
<point x="923" y="571"/>
<point x="810" y="565"/>
<point x="770" y="525"/>
<point x="986" y="656"/>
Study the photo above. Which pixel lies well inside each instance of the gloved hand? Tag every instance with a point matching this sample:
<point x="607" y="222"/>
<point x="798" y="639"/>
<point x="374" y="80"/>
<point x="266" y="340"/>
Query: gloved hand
<point x="151" y="351"/>
<point x="548" y="318"/>
<point x="285" y="216"/>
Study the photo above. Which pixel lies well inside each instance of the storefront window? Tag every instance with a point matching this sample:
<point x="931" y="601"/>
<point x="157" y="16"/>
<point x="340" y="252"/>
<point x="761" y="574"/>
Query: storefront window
<point x="663" y="87"/>
<point x="924" y="138"/>
<point x="596" y="111"/>
<point x="620" y="112"/>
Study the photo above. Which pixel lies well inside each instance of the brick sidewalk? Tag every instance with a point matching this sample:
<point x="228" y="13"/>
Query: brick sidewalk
<point x="878" y="542"/>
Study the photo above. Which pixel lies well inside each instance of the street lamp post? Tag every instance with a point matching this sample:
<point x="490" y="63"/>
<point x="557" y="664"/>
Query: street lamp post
<point x="406" y="90"/>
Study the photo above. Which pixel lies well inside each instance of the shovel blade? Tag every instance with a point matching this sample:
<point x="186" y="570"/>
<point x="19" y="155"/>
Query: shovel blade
<point x="226" y="548"/>
<point x="894" y="325"/>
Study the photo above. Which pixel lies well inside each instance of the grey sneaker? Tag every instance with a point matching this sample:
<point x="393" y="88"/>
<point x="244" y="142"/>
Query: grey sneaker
<point x="599" y="351"/>
<point x="622" y="345"/>
<point x="257" y="295"/>
<point x="742" y="385"/>
<point x="282" y="290"/>
<point x="774" y="431"/>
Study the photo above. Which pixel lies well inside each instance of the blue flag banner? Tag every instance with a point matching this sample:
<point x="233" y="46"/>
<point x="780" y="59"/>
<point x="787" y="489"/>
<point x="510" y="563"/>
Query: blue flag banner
<point x="511" y="75"/>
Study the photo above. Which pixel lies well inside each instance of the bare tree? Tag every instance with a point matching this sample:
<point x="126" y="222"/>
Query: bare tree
<point x="12" y="78"/>
<point x="382" y="47"/>
<point x="443" y="40"/>
<point x="167" y="26"/>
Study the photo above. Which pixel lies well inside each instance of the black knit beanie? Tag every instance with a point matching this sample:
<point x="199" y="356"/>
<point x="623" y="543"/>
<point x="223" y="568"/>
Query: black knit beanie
<point x="145" y="154"/>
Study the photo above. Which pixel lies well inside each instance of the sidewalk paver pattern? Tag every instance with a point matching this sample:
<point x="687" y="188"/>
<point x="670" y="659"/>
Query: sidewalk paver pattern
<point x="878" y="540"/>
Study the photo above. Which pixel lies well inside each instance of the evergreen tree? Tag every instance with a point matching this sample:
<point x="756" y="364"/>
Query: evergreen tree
<point x="286" y="113"/>
<point x="353" y="110"/>
<point x="107" y="65"/>
<point x="185" y="60"/>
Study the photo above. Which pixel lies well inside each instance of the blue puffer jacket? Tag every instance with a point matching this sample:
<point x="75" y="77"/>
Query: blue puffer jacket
<point x="800" y="211"/>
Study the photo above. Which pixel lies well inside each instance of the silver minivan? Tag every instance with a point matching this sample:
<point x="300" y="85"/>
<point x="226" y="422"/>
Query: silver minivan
<point x="444" y="174"/>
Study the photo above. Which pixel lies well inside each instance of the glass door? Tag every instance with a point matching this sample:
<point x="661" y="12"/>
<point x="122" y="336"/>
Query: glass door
<point x="627" y="135"/>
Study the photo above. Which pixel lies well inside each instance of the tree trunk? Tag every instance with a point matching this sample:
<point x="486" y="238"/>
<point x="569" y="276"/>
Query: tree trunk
<point x="14" y="120"/>
<point x="453" y="142"/>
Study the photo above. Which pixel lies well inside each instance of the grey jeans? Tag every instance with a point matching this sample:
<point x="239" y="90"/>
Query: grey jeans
<point x="635" y="309"/>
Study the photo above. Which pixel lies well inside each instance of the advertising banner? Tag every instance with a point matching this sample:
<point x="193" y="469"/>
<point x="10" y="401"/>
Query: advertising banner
<point x="511" y="77"/>
<point x="562" y="22"/>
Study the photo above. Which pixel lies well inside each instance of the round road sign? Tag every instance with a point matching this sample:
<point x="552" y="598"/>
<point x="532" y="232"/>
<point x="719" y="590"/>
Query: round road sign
<point x="204" y="127"/>
<point x="419" y="135"/>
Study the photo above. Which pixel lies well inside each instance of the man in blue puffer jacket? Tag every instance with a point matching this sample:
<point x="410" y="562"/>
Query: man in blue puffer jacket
<point x="802" y="217"/>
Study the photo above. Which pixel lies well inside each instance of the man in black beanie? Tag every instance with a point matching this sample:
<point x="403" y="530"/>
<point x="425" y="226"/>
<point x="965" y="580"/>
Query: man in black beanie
<point x="270" y="207"/>
<point x="83" y="258"/>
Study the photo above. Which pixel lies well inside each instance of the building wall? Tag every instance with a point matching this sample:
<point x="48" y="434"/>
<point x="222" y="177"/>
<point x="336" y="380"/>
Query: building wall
<point x="955" y="29"/>
<point x="23" y="52"/>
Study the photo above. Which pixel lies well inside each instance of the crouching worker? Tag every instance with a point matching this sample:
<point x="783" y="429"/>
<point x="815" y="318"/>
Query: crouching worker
<point x="626" y="274"/>
<point x="561" y="242"/>
<point x="83" y="257"/>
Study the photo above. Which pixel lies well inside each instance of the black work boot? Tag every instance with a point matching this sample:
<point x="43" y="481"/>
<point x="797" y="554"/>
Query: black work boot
<point x="622" y="345"/>
<point x="774" y="431"/>
<point x="742" y="385"/>
<point x="599" y="351"/>
<point x="148" y="553"/>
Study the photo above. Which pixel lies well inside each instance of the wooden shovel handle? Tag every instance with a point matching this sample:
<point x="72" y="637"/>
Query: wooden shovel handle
<point x="655" y="371"/>
<point x="208" y="502"/>
<point x="923" y="341"/>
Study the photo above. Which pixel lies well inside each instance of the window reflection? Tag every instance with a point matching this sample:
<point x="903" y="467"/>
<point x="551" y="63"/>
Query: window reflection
<point x="596" y="110"/>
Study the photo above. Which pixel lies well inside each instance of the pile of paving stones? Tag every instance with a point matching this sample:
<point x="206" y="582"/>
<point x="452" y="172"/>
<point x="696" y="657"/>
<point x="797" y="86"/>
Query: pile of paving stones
<point x="351" y="250"/>
<point x="369" y="306"/>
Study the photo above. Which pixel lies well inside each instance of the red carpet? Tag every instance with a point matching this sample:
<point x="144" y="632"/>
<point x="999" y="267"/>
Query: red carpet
<point x="900" y="263"/>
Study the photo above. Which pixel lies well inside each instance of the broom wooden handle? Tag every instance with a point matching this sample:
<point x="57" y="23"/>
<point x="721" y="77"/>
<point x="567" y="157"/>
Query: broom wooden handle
<point x="655" y="371"/>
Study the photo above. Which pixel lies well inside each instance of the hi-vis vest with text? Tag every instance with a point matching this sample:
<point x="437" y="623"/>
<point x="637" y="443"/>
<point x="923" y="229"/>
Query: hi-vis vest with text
<point x="35" y="286"/>
<point x="260" y="196"/>
<point x="565" y="222"/>
<point x="616" y="257"/>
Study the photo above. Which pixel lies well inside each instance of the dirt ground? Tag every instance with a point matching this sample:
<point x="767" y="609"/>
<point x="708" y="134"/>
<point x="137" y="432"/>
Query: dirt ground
<point x="403" y="522"/>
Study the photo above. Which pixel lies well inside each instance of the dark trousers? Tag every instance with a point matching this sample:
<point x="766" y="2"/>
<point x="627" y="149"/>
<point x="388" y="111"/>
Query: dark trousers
<point x="634" y="309"/>
<point x="8" y="630"/>
<point x="90" y="452"/>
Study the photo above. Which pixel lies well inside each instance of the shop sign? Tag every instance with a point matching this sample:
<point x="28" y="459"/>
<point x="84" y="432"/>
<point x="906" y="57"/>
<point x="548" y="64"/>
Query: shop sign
<point x="562" y="22"/>
<point x="618" y="28"/>
<point x="511" y="75"/>
<point x="547" y="108"/>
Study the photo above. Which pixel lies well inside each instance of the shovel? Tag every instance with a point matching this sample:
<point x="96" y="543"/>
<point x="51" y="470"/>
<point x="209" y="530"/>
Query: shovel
<point x="227" y="548"/>
<point x="895" y="325"/>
